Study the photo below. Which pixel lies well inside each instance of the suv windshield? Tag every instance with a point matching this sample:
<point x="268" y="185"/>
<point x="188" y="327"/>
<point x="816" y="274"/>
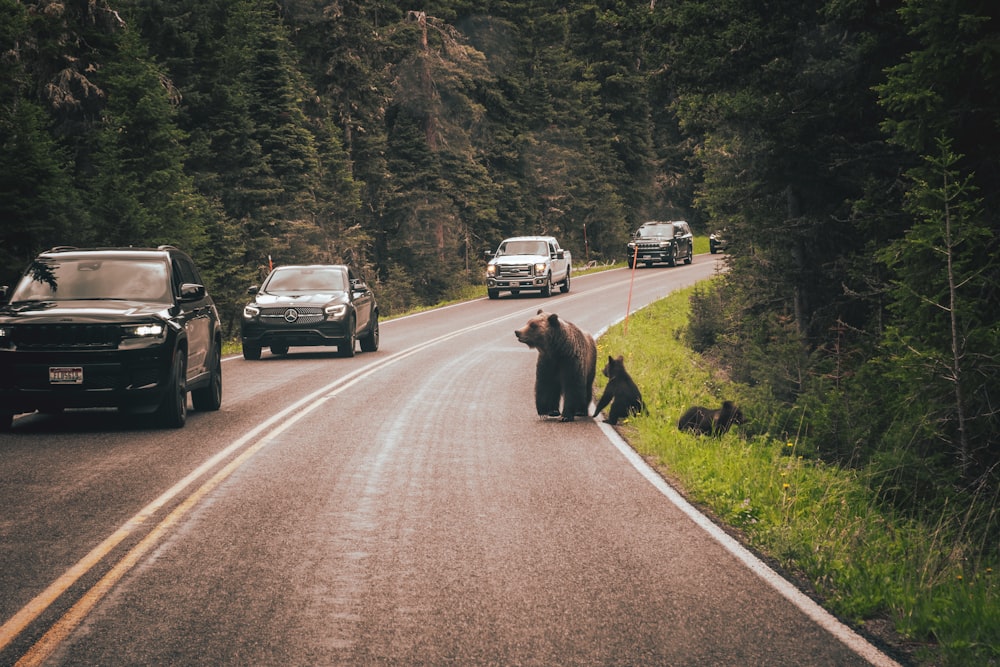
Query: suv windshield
<point x="307" y="280"/>
<point x="68" y="278"/>
<point x="656" y="231"/>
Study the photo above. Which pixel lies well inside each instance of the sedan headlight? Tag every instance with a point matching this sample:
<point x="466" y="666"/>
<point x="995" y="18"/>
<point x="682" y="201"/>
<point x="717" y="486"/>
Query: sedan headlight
<point x="251" y="311"/>
<point x="541" y="269"/>
<point x="335" y="310"/>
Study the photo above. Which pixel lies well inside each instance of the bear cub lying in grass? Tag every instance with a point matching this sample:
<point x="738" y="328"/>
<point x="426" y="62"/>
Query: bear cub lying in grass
<point x="621" y="392"/>
<point x="710" y="422"/>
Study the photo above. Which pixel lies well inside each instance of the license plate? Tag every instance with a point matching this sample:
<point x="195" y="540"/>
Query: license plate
<point x="65" y="375"/>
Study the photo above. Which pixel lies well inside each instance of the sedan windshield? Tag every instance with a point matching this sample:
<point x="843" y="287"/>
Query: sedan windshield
<point x="307" y="280"/>
<point x="67" y="279"/>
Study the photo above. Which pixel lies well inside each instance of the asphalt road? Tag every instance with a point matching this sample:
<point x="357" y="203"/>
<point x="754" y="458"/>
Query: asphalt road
<point x="404" y="507"/>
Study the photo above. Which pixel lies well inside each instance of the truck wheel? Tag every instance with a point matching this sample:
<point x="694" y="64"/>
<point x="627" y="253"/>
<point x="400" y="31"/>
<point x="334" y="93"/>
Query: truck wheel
<point x="547" y="290"/>
<point x="565" y="284"/>
<point x="493" y="293"/>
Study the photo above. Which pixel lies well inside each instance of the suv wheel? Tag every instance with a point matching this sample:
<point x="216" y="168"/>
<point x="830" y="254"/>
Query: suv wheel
<point x="369" y="343"/>
<point x="209" y="397"/>
<point x="279" y="348"/>
<point x="6" y="421"/>
<point x="672" y="258"/>
<point x="251" y="351"/>
<point x="172" y="412"/>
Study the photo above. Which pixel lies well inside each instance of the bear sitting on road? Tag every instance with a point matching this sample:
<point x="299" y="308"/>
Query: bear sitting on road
<point x="567" y="363"/>
<point x="710" y="422"/>
<point x="622" y="390"/>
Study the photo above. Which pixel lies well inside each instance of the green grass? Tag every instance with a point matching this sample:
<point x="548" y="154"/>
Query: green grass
<point x="819" y="522"/>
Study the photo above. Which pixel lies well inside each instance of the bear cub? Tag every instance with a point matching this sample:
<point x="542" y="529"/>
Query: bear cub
<point x="710" y="422"/>
<point x="621" y="392"/>
<point x="567" y="363"/>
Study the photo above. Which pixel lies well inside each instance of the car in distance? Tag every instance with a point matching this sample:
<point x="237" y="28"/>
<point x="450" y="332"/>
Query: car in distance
<point x="130" y="328"/>
<point x="526" y="263"/>
<point x="319" y="304"/>
<point x="717" y="241"/>
<point x="658" y="242"/>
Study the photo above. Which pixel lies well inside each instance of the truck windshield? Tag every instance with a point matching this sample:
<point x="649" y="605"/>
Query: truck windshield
<point x="524" y="248"/>
<point x="67" y="279"/>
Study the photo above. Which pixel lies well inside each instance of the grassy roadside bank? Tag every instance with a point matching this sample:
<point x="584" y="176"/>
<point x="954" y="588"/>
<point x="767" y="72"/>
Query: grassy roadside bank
<point x="904" y="581"/>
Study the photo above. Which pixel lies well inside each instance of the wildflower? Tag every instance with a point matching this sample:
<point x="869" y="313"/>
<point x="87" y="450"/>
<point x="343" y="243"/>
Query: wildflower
<point x="790" y="444"/>
<point x="785" y="485"/>
<point x="959" y="577"/>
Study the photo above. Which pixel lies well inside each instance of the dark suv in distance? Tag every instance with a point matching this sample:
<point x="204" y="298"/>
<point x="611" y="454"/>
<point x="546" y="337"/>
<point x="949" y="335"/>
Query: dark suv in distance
<point x="320" y="304"/>
<point x="661" y="242"/>
<point x="131" y="328"/>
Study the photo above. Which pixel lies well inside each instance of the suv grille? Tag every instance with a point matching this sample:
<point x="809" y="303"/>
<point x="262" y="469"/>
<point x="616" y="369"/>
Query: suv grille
<point x="66" y="336"/>
<point x="514" y="271"/>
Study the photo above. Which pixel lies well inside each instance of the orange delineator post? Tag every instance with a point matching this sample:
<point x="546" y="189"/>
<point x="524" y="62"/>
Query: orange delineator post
<point x="628" y="306"/>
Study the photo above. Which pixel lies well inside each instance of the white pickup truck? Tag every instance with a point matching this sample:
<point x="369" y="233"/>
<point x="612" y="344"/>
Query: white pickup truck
<point x="528" y="263"/>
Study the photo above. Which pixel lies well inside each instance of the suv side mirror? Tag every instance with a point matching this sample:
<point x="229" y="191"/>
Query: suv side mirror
<point x="192" y="292"/>
<point x="358" y="285"/>
<point x="253" y="289"/>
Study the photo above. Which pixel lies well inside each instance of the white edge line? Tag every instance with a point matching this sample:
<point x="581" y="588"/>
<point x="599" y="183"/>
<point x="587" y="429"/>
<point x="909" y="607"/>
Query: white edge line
<point x="807" y="605"/>
<point x="803" y="602"/>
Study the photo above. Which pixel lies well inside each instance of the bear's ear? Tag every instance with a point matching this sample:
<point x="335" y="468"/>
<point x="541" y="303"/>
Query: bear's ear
<point x="611" y="359"/>
<point x="554" y="320"/>
<point x="540" y="311"/>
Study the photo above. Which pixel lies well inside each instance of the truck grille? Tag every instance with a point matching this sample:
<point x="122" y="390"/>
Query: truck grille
<point x="514" y="271"/>
<point x="66" y="336"/>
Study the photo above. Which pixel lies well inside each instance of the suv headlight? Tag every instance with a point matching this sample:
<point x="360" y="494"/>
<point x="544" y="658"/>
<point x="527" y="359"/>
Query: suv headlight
<point x="541" y="269"/>
<point x="140" y="335"/>
<point x="251" y="311"/>
<point x="335" y="310"/>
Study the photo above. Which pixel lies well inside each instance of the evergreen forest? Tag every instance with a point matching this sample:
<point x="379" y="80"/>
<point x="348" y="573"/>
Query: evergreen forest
<point x="850" y="149"/>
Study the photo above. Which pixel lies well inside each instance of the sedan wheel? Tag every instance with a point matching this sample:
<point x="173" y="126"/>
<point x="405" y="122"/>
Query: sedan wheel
<point x="346" y="349"/>
<point x="369" y="343"/>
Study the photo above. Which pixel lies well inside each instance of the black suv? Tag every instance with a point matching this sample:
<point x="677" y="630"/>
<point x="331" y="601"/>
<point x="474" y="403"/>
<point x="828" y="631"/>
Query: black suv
<point x="661" y="242"/>
<point x="321" y="304"/>
<point x="128" y="328"/>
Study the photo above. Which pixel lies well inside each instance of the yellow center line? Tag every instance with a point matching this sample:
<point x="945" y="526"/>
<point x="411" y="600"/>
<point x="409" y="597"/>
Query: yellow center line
<point x="72" y="618"/>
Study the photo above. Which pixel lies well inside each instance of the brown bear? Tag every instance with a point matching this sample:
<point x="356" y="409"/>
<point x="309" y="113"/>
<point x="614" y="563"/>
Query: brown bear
<point x="567" y="363"/>
<point x="622" y="390"/>
<point x="710" y="422"/>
